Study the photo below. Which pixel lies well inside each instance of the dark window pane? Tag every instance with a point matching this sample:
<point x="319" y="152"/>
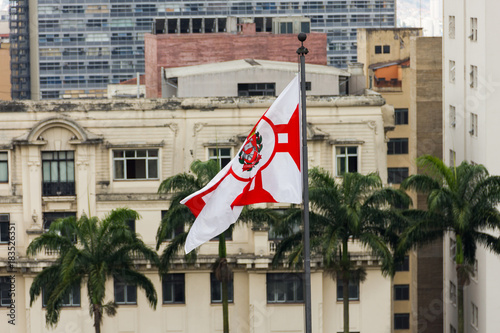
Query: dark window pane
<point x="401" y="292"/>
<point x="216" y="289"/>
<point x="401" y="321"/>
<point x="404" y="266"/>
<point x="378" y="49"/>
<point x="387" y="49"/>
<point x="353" y="290"/>
<point x="152" y="169"/>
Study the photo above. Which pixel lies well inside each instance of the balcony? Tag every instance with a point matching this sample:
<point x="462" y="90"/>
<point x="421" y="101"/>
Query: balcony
<point x="51" y="189"/>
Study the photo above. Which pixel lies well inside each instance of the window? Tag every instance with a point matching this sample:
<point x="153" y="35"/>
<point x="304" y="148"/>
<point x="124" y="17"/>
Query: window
<point x="5" y="294"/>
<point x="347" y="159"/>
<point x="131" y="224"/>
<point x="453" y="116"/>
<point x="48" y="218"/>
<point x="473" y="124"/>
<point x="396" y="175"/>
<point x="397" y="146"/>
<point x="286" y="28"/>
<point x="4" y="228"/>
<point x="353" y="290"/>
<point x="135" y="164"/>
<point x="4" y="167"/>
<point x="216" y="290"/>
<point x="222" y="155"/>
<point x="401" y="116"/>
<point x="58" y="169"/>
<point x="404" y="266"/>
<point x="125" y="293"/>
<point x="378" y="49"/>
<point x="401" y="292"/>
<point x="473" y="29"/>
<point x="475" y="270"/>
<point x="387" y="49"/>
<point x="401" y="321"/>
<point x="475" y="317"/>
<point x="179" y="230"/>
<point x="473" y="76"/>
<point x="451" y="27"/>
<point x="453" y="248"/>
<point x="453" y="293"/>
<point x="452" y="71"/>
<point x="256" y="89"/>
<point x="72" y="298"/>
<point x="173" y="289"/>
<point x="284" y="288"/>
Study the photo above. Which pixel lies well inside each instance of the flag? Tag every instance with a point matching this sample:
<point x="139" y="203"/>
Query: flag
<point x="265" y="169"/>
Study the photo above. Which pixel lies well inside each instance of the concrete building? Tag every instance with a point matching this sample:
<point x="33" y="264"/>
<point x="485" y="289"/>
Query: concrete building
<point x="249" y="77"/>
<point x="5" y="86"/>
<point x="470" y="103"/>
<point x="75" y="48"/>
<point x="405" y="69"/>
<point x="87" y="140"/>
<point x="179" y="50"/>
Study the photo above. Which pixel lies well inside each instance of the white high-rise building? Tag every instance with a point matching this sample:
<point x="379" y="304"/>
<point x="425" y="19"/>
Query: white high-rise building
<point x="471" y="97"/>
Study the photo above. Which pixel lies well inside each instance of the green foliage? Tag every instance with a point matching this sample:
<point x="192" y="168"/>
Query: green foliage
<point x="462" y="200"/>
<point x="354" y="209"/>
<point x="89" y="252"/>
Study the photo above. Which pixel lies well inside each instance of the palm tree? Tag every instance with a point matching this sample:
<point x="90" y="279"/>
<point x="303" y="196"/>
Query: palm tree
<point x="89" y="252"/>
<point x="178" y="215"/>
<point x="461" y="200"/>
<point x="357" y="208"/>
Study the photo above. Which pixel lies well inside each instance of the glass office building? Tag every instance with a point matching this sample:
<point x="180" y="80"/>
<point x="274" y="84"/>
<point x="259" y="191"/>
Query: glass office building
<point x="84" y="45"/>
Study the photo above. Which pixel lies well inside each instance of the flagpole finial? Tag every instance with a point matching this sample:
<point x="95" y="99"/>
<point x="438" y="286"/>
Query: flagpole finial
<point x="302" y="50"/>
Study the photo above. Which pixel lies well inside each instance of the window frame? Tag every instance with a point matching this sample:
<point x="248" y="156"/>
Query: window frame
<point x="453" y="115"/>
<point x="74" y="289"/>
<point x="378" y="49"/>
<point x="214" y="283"/>
<point x="176" y="232"/>
<point x="473" y="124"/>
<point x="124" y="159"/>
<point x="386" y="49"/>
<point x="214" y="153"/>
<point x="354" y="288"/>
<point x="346" y="155"/>
<point x="453" y="293"/>
<point x="119" y="285"/>
<point x="254" y="89"/>
<point x="6" y="163"/>
<point x="401" y="116"/>
<point x="58" y="187"/>
<point x="398" y="146"/>
<point x="473" y="29"/>
<point x="404" y="266"/>
<point x="397" y="175"/>
<point x="398" y="317"/>
<point x="173" y="281"/>
<point x="285" y="282"/>
<point x="5" y="291"/>
<point x="401" y="292"/>
<point x="452" y="71"/>
<point x="474" y="320"/>
<point x="473" y="76"/>
<point x="451" y="26"/>
<point x="4" y="228"/>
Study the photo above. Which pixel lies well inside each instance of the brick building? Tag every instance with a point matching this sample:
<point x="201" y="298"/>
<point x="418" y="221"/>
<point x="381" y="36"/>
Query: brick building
<point x="177" y="50"/>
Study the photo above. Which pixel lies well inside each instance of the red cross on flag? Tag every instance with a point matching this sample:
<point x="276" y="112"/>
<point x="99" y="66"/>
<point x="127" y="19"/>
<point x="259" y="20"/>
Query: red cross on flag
<point x="265" y="169"/>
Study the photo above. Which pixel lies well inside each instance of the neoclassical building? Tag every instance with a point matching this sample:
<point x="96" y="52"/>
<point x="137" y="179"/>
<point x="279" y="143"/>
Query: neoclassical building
<point x="87" y="157"/>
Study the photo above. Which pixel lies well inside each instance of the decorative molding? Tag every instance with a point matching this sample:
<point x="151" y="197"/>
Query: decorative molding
<point x="372" y="125"/>
<point x="198" y="127"/>
<point x="346" y="142"/>
<point x="135" y="145"/>
<point x="174" y="128"/>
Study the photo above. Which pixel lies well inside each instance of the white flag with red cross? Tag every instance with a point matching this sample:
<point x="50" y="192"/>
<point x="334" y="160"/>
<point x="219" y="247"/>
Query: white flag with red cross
<point x="266" y="169"/>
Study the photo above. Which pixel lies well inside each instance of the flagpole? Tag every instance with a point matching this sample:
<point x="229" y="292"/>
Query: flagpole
<point x="302" y="51"/>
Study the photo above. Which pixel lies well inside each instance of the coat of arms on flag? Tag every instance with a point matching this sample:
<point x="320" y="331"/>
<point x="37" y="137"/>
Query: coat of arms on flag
<point x="266" y="169"/>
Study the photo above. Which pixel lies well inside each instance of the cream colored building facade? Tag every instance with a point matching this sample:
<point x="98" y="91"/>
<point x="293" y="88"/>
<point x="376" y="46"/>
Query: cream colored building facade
<point x="385" y="54"/>
<point x="470" y="111"/>
<point x="88" y="140"/>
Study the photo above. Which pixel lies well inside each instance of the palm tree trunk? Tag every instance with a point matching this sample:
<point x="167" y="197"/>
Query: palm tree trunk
<point x="462" y="279"/>
<point x="225" y="310"/>
<point x="345" y="284"/>
<point x="97" y="318"/>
